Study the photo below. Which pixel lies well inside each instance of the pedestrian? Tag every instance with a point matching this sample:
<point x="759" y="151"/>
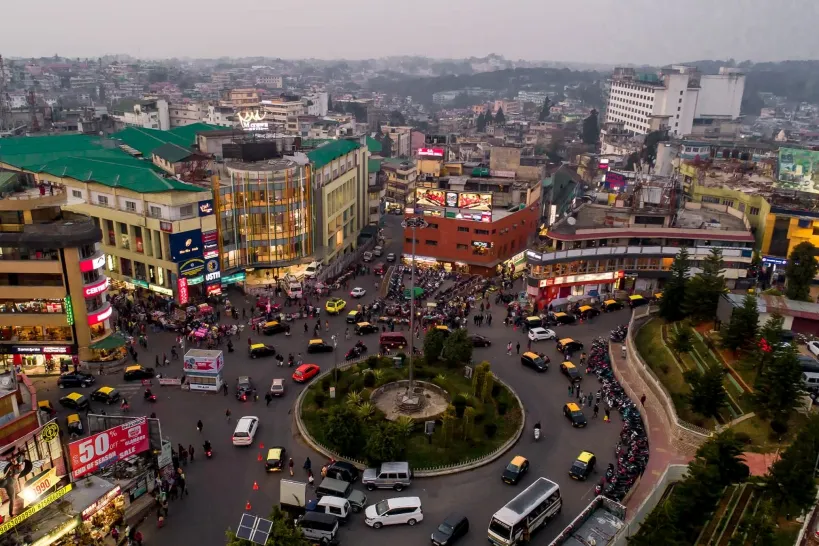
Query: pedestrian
<point x="307" y="464"/>
<point x="517" y="347"/>
<point x="529" y="345"/>
<point x="190" y="451"/>
<point x="582" y="358"/>
<point x="596" y="410"/>
<point x="509" y="348"/>
<point x="199" y="426"/>
<point x="225" y="389"/>
<point x="643" y="400"/>
<point x="310" y="479"/>
<point x="571" y="389"/>
<point x="290" y="465"/>
<point x="579" y="392"/>
<point x="227" y="415"/>
<point x="607" y="418"/>
<point x="267" y="398"/>
<point x="183" y="490"/>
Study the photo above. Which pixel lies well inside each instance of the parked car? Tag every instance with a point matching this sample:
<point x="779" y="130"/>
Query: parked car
<point x="334" y="306"/>
<point x="260" y="349"/>
<point x="396" y="475"/>
<point x="342" y="470"/>
<point x="109" y="395"/>
<point x="575" y="415"/>
<point x="357" y="292"/>
<point x="75" y="401"/>
<point x="277" y="387"/>
<point x="450" y="530"/>
<point x="138" y="372"/>
<point x="813" y="347"/>
<point x="393" y="512"/>
<point x="539" y="363"/>
<point x="77" y="379"/>
<point x="583" y="466"/>
<point x="571" y="371"/>
<point x="390" y="257"/>
<point x="568" y="344"/>
<point x="540" y="334"/>
<point x="363" y="328"/>
<point x="244" y="388"/>
<point x="318" y="346"/>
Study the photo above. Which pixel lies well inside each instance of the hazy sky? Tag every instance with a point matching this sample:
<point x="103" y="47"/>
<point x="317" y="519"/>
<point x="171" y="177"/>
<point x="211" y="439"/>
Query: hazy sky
<point x="605" y="31"/>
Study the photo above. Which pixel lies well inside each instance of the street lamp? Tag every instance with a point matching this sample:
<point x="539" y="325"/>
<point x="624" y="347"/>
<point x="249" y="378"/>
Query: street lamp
<point x="414" y="223"/>
<point x="335" y="359"/>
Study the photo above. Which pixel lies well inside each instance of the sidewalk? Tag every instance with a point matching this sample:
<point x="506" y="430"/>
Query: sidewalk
<point x="663" y="453"/>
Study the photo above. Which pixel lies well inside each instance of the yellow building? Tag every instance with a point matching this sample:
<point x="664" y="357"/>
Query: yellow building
<point x="53" y="302"/>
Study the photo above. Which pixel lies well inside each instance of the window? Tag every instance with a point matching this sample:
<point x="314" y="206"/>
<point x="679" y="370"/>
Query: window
<point x="76" y="193"/>
<point x="432" y="226"/>
<point x="710" y="199"/>
<point x="681" y="93"/>
<point x="431" y="242"/>
<point x="155" y="212"/>
<point x="409" y="240"/>
<point x="460" y="246"/>
<point x="754" y="211"/>
<point x="678" y="108"/>
<point x="130" y="206"/>
<point x="466" y="229"/>
<point x="187" y="210"/>
<point x="728" y="202"/>
<point x="482" y="231"/>
<point x="102" y="200"/>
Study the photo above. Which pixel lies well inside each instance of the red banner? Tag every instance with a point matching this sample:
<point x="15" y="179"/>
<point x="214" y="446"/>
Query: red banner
<point x="107" y="447"/>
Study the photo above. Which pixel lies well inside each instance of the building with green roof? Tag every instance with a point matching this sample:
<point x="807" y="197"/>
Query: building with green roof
<point x="189" y="132"/>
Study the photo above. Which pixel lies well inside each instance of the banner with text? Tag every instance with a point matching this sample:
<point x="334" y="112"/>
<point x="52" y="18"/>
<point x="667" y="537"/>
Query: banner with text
<point x="107" y="447"/>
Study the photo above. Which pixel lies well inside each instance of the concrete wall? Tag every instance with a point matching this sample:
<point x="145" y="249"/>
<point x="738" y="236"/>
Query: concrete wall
<point x="720" y="95"/>
<point x="504" y="159"/>
<point x="673" y="473"/>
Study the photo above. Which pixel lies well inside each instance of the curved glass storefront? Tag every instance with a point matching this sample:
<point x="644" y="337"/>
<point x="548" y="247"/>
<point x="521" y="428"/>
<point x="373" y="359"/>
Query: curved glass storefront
<point x="265" y="215"/>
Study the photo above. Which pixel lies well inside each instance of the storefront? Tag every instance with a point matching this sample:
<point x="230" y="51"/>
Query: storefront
<point x="592" y="285"/>
<point x="203" y="369"/>
<point x="423" y="262"/>
<point x="37" y="358"/>
<point x="86" y="514"/>
<point x="514" y="265"/>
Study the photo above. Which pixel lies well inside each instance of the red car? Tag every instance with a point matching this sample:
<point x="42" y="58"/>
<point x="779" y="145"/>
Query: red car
<point x="305" y="373"/>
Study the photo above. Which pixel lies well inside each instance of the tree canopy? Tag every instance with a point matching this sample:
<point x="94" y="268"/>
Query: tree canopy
<point x="705" y="288"/>
<point x="672" y="304"/>
<point x="545" y="110"/>
<point x="591" y="128"/>
<point x="500" y="118"/>
<point x="741" y="332"/>
<point x="800" y="271"/>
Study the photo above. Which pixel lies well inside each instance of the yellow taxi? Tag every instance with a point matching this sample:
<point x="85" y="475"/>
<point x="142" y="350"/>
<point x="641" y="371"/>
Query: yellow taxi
<point x="533" y="322"/>
<point x="443" y="329"/>
<point x="515" y="470"/>
<point x="571" y="371"/>
<point x="73" y="424"/>
<point x="354" y="317"/>
<point x="637" y="301"/>
<point x="260" y="349"/>
<point x="587" y="311"/>
<point x="274" y="327"/>
<point x="611" y="305"/>
<point x="563" y="318"/>
<point x="274" y="462"/>
<point x="583" y="466"/>
<point x="363" y="328"/>
<point x="335" y="306"/>
<point x="109" y="395"/>
<point x="568" y="344"/>
<point x="45" y="406"/>
<point x="574" y="414"/>
<point x="75" y="401"/>
<point x="318" y="346"/>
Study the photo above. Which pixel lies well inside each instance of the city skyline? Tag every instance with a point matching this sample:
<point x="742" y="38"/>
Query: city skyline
<point x="598" y="31"/>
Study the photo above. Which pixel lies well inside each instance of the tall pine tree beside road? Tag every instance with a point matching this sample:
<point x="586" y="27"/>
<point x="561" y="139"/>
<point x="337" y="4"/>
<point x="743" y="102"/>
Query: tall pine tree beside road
<point x="705" y="288"/>
<point x="800" y="271"/>
<point x="673" y="300"/>
<point x="741" y="332"/>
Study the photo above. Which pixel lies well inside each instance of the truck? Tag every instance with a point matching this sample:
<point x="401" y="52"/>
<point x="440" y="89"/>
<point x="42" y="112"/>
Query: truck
<point x="602" y="522"/>
<point x="291" y="286"/>
<point x="293" y="497"/>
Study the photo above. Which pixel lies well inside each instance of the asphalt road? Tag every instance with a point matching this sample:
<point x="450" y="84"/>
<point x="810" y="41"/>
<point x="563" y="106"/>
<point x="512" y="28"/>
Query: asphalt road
<point x="220" y="487"/>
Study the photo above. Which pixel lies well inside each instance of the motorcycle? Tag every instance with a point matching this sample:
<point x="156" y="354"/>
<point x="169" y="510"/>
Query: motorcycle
<point x="537" y="432"/>
<point x="208" y="450"/>
<point x="148" y="397"/>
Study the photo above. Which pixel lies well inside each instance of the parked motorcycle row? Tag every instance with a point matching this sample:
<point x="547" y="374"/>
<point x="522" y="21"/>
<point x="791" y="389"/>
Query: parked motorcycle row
<point x="632" y="450"/>
<point x="618" y="335"/>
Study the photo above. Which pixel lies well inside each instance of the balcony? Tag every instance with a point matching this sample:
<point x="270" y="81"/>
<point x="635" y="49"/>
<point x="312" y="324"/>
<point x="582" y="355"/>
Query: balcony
<point x="696" y="253"/>
<point x="32" y="197"/>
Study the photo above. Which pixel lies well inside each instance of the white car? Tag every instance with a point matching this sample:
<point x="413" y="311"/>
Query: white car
<point x="390" y="257"/>
<point x="813" y="346"/>
<point x="538" y="334"/>
<point x="357" y="292"/>
<point x="245" y="430"/>
<point x="368" y="257"/>
<point x="393" y="512"/>
<point x="378" y="250"/>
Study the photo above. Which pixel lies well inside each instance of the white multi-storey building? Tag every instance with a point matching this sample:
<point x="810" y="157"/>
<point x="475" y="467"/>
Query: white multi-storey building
<point x="186" y="113"/>
<point x="678" y="99"/>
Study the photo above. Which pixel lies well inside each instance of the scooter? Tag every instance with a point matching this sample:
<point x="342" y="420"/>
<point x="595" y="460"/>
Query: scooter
<point x="537" y="432"/>
<point x="149" y="396"/>
<point x="208" y="450"/>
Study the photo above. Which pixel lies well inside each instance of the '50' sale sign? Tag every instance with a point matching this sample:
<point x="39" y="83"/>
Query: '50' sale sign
<point x="107" y="447"/>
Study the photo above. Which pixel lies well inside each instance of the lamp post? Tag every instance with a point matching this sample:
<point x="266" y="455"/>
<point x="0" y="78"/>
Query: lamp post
<point x="335" y="359"/>
<point x="414" y="223"/>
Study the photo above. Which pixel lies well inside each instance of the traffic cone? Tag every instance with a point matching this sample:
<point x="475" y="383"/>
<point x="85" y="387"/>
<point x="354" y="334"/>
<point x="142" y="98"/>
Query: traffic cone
<point x="255" y="486"/>
<point x="247" y="505"/>
<point x="260" y="457"/>
<point x="261" y="445"/>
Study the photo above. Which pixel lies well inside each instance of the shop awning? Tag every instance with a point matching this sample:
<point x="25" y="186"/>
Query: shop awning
<point x="111" y="342"/>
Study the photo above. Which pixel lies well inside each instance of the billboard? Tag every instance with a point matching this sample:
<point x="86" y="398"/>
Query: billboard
<point x="452" y="199"/>
<point x="475" y="201"/>
<point x="799" y="170"/>
<point x="107" y="447"/>
<point x="30" y="468"/>
<point x="209" y="362"/>
<point x="430" y="198"/>
<point x="430" y="152"/>
<point x="185" y="245"/>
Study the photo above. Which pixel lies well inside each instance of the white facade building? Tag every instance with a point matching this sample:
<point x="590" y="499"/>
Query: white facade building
<point x="678" y="99"/>
<point x="146" y="114"/>
<point x="317" y="104"/>
<point x="185" y="113"/>
<point x="222" y="116"/>
<point x="274" y="82"/>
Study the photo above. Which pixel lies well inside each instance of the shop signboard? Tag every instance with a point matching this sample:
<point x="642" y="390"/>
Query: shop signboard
<point x="774" y="260"/>
<point x="193" y="281"/>
<point x="206" y="207"/>
<point x="107" y="447"/>
<point x="160" y="289"/>
<point x="10" y="524"/>
<point x="91" y="264"/>
<point x="69" y="310"/>
<point x="213" y="289"/>
<point x="101" y="315"/>
<point x="167" y="227"/>
<point x="475" y="201"/>
<point x="213" y="275"/>
<point x="91" y="290"/>
<point x="425" y="197"/>
<point x="138" y="282"/>
<point x="234" y="278"/>
<point x="182" y="289"/>
<point x="210" y="244"/>
<point x="582" y="279"/>
<point x="799" y="170"/>
<point x="452" y="199"/>
<point x="206" y="362"/>
<point x="430" y="152"/>
<point x="37" y="349"/>
<point x="30" y="466"/>
<point x="101" y="503"/>
<point x="185" y="245"/>
<point x="191" y="267"/>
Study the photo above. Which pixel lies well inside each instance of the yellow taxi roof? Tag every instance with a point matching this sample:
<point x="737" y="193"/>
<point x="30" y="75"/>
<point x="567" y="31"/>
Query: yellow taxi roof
<point x="43" y="404"/>
<point x="363" y="324"/>
<point x="637" y="297"/>
<point x="658" y="295"/>
<point x="133" y="368"/>
<point x="73" y="418"/>
<point x="518" y="460"/>
<point x="257" y="346"/>
<point x="441" y="327"/>
<point x="351" y="313"/>
<point x="272" y="323"/>
<point x="566" y="340"/>
<point x="568" y="364"/>
<point x="585" y="308"/>
<point x="274" y="454"/>
<point x="314" y="341"/>
<point x="585" y="456"/>
<point x="533" y="317"/>
<point x="561" y="314"/>
<point x="106" y="390"/>
<point x="531" y="355"/>
<point x="609" y="302"/>
<point x="572" y="406"/>
<point x="74" y="396"/>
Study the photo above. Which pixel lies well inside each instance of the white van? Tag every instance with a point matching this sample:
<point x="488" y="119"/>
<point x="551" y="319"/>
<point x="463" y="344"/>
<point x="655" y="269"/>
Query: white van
<point x="312" y="270"/>
<point x="335" y="506"/>
<point x="245" y="430"/>
<point x="810" y="381"/>
<point x="318" y="526"/>
<point x="393" y="512"/>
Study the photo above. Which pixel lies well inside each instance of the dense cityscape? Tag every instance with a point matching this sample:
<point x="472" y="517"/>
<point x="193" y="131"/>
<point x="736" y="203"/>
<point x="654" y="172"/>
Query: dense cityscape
<point x="291" y="302"/>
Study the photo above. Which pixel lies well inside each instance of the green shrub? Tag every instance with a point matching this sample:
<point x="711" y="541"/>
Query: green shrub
<point x="503" y="405"/>
<point x="779" y="427"/>
<point x="319" y="398"/>
<point x="496" y="390"/>
<point x="366" y="394"/>
<point x="369" y="380"/>
<point x="460" y="403"/>
<point x="358" y="383"/>
<point x="743" y="438"/>
<point x="372" y="362"/>
<point x="326" y="383"/>
<point x="490" y="429"/>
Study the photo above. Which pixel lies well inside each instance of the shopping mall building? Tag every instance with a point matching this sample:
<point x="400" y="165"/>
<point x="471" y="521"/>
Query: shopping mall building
<point x="599" y="249"/>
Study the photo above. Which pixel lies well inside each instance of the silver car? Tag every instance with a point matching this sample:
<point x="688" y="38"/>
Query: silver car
<point x="396" y="476"/>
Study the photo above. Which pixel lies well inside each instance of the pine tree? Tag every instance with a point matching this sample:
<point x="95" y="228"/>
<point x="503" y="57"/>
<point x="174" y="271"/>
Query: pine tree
<point x="488" y="385"/>
<point x="771" y="333"/>
<point x="741" y="332"/>
<point x="705" y="288"/>
<point x="545" y="110"/>
<point x="800" y="271"/>
<point x="672" y="302"/>
<point x="480" y="123"/>
<point x="707" y="393"/>
<point x="779" y="386"/>
<point x="500" y="119"/>
<point x="591" y="128"/>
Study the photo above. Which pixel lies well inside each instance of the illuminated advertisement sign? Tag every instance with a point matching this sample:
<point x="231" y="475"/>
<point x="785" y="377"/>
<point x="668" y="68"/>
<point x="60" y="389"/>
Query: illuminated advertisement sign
<point x="101" y="503"/>
<point x="482" y="244"/>
<point x="206" y="207"/>
<point x="235" y="278"/>
<point x="101" y="315"/>
<point x="452" y="199"/>
<point x="191" y="268"/>
<point x="98" y="287"/>
<point x="107" y="447"/>
<point x="582" y="279"/>
<point x="214" y="289"/>
<point x="210" y="244"/>
<point x="182" y="288"/>
<point x="252" y="120"/>
<point x="69" y="310"/>
<point x="431" y="152"/>
<point x="614" y="180"/>
<point x="185" y="245"/>
<point x="92" y="263"/>
<point x="12" y="523"/>
<point x="38" y="349"/>
<point x="430" y="198"/>
<point x="475" y="201"/>
<point x="213" y="275"/>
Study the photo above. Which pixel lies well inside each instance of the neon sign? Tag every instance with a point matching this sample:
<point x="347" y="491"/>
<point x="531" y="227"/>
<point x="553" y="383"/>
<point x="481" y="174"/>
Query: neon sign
<point x="251" y="120"/>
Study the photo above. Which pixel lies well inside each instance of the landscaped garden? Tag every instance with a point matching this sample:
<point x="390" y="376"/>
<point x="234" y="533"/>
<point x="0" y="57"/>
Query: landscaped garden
<point x="481" y="416"/>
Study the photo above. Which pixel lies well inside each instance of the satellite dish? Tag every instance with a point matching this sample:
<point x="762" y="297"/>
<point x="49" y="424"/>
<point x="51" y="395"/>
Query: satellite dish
<point x="571" y="220"/>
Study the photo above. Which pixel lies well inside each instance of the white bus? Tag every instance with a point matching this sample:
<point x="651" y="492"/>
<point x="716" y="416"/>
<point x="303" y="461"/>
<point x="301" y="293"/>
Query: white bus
<point x="515" y="522"/>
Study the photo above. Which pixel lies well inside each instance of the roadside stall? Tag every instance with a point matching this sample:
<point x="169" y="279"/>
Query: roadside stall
<point x="203" y="369"/>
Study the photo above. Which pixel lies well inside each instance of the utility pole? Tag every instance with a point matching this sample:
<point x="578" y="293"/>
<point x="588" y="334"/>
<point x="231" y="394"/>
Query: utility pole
<point x="414" y="223"/>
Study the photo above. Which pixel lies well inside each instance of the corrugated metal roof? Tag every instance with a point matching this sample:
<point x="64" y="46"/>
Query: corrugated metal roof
<point x="189" y="132"/>
<point x="148" y="140"/>
<point x="172" y="153"/>
<point x="373" y="145"/>
<point x="327" y="153"/>
<point x="373" y="165"/>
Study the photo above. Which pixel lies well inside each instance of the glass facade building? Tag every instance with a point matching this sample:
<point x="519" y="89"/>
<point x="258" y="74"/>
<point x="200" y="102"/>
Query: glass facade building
<point x="264" y="215"/>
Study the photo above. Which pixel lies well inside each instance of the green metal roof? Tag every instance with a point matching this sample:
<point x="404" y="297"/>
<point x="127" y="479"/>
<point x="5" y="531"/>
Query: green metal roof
<point x="373" y="145"/>
<point x="314" y="142"/>
<point x="189" y="132"/>
<point x="172" y="153"/>
<point x="7" y="181"/>
<point x="140" y="177"/>
<point x="146" y="141"/>
<point x="327" y="153"/>
<point x="373" y="165"/>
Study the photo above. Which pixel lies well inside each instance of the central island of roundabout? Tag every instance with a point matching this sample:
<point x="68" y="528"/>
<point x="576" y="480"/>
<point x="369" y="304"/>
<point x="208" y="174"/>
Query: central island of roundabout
<point x="446" y="418"/>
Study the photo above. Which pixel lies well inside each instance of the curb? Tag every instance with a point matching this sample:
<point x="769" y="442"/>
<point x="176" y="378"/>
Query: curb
<point x="421" y="473"/>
